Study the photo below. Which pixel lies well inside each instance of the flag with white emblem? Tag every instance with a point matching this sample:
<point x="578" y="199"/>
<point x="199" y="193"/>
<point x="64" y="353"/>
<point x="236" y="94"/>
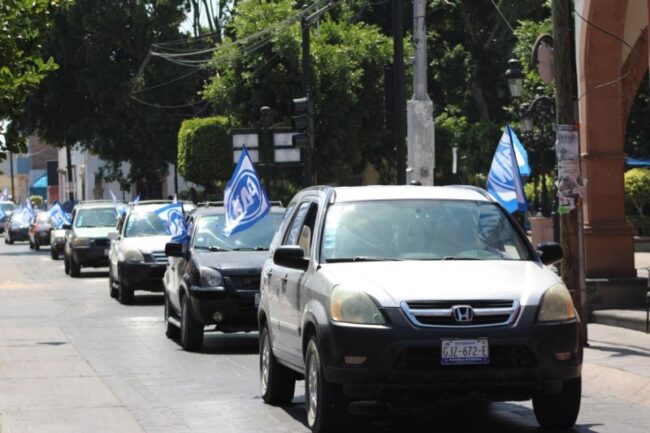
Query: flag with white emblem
<point x="245" y="200"/>
<point x="504" y="180"/>
<point x="173" y="215"/>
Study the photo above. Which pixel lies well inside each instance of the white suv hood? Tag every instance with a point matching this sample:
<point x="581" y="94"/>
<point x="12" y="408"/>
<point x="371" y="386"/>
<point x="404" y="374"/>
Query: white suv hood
<point x="391" y="283"/>
<point x="146" y="244"/>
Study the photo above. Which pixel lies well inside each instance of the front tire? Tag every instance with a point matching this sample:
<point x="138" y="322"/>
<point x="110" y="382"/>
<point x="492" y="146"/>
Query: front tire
<point x="54" y="253"/>
<point x="559" y="411"/>
<point x="31" y="245"/>
<point x="66" y="265"/>
<point x="75" y="268"/>
<point x="277" y="382"/>
<point x="112" y="291"/>
<point x="171" y="331"/>
<point x="125" y="293"/>
<point x="37" y="246"/>
<point x="191" y="329"/>
<point x="325" y="402"/>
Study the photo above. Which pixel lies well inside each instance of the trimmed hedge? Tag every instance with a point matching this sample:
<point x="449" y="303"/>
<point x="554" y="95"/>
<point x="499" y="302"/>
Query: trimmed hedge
<point x="205" y="151"/>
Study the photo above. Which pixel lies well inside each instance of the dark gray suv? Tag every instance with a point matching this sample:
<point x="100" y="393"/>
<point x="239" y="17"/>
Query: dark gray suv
<point x="409" y="295"/>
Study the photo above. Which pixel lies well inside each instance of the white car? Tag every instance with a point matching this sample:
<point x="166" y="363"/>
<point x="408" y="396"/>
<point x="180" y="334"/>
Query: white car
<point x="137" y="259"/>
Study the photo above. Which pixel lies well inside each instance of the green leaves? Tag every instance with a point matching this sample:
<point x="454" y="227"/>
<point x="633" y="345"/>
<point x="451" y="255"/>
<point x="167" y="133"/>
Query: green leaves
<point x="637" y="188"/>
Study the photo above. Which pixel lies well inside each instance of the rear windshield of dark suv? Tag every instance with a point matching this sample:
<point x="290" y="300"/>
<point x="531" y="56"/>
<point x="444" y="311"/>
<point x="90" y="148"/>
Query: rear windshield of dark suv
<point x="420" y="230"/>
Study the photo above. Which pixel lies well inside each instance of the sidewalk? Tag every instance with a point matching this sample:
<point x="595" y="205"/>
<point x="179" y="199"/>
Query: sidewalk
<point x="630" y="319"/>
<point x="616" y="364"/>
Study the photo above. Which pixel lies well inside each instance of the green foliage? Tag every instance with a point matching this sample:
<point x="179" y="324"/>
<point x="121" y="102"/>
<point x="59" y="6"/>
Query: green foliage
<point x="348" y="69"/>
<point x="637" y="188"/>
<point x="100" y="46"/>
<point x="637" y="140"/>
<point x="22" y="65"/>
<point x="36" y="200"/>
<point x="204" y="151"/>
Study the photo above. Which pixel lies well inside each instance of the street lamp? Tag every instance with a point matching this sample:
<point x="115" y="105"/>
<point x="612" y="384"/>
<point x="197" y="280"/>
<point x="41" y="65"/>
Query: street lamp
<point x="515" y="78"/>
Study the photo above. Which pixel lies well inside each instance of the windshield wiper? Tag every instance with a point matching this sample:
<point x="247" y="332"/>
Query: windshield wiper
<point x="460" y="258"/>
<point x="363" y="259"/>
<point x="215" y="248"/>
<point x="258" y="248"/>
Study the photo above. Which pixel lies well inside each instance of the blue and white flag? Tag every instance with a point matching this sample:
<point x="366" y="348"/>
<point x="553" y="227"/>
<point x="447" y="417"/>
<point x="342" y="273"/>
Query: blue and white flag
<point x="25" y="215"/>
<point x="5" y="194"/>
<point x="173" y="215"/>
<point x="522" y="155"/>
<point x="114" y="199"/>
<point x="2" y="213"/>
<point x="504" y="181"/>
<point x="30" y="209"/>
<point x="137" y="199"/>
<point x="245" y="200"/>
<point x="58" y="215"/>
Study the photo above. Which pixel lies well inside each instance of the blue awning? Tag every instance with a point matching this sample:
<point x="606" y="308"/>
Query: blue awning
<point x="41" y="182"/>
<point x="637" y="162"/>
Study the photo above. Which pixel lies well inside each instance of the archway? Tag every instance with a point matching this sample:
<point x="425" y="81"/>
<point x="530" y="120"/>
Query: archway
<point x="609" y="74"/>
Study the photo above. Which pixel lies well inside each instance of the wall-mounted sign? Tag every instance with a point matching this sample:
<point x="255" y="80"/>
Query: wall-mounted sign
<point x="247" y="138"/>
<point x="284" y="150"/>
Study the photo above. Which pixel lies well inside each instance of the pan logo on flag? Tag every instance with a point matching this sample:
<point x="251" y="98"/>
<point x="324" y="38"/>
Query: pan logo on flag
<point x="246" y="197"/>
<point x="176" y="221"/>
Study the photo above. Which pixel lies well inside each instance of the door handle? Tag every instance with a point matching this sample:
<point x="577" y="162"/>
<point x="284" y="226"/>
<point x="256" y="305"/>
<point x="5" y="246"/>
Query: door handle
<point x="284" y="279"/>
<point x="269" y="274"/>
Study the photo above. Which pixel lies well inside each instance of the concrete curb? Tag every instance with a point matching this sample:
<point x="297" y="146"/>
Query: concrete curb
<point x="629" y="319"/>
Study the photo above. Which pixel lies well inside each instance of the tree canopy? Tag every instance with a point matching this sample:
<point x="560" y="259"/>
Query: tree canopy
<point x="96" y="96"/>
<point x="22" y="65"/>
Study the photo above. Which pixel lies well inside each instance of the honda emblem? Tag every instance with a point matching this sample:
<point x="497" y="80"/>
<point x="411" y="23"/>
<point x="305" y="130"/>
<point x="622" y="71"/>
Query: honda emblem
<point x="463" y="313"/>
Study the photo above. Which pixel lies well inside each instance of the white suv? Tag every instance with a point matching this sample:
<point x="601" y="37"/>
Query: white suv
<point x="408" y="295"/>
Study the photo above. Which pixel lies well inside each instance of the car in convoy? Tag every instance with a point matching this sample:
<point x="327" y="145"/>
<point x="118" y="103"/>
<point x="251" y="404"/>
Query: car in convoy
<point x="40" y="230"/>
<point x="57" y="242"/>
<point x="407" y="295"/>
<point x="87" y="243"/>
<point x="137" y="259"/>
<point x="16" y="228"/>
<point x="7" y="208"/>
<point x="216" y="281"/>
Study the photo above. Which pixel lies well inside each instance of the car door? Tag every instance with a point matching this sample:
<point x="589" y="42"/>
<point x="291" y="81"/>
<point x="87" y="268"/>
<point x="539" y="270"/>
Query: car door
<point x="177" y="267"/>
<point x="115" y="248"/>
<point x="286" y="283"/>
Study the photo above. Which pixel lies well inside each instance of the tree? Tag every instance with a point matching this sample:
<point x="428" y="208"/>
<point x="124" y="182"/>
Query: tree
<point x="22" y="67"/>
<point x="637" y="189"/>
<point x="103" y="96"/>
<point x="204" y="151"/>
<point x="348" y="68"/>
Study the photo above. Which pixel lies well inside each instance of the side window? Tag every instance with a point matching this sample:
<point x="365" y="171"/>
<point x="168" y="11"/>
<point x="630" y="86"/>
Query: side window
<point x="302" y="227"/>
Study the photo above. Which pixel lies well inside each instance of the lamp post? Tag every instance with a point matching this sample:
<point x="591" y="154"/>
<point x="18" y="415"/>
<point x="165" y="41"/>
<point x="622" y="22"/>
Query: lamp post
<point x="266" y="144"/>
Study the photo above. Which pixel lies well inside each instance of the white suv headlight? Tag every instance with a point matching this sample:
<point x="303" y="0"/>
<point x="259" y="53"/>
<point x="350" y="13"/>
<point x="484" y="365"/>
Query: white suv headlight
<point x="133" y="256"/>
<point x="211" y="278"/>
<point x="353" y="306"/>
<point x="556" y="305"/>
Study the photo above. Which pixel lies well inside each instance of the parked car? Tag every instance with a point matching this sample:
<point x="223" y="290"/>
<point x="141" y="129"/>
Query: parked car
<point x="411" y="294"/>
<point x="16" y="228"/>
<point x="7" y="208"/>
<point x="57" y="242"/>
<point x="40" y="230"/>
<point x="216" y="280"/>
<point x="137" y="259"/>
<point x="87" y="243"/>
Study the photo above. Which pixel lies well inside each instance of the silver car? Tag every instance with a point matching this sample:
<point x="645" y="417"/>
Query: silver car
<point x="408" y="295"/>
<point x="137" y="259"/>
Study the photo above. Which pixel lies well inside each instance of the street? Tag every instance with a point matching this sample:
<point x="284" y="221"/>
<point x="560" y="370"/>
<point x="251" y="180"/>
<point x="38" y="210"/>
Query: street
<point x="74" y="360"/>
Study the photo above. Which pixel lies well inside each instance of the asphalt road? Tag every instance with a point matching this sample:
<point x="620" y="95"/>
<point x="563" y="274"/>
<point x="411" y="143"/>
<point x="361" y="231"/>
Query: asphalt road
<point x="74" y="360"/>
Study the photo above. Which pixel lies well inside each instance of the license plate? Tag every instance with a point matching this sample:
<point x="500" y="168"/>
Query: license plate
<point x="459" y="352"/>
<point x="258" y="297"/>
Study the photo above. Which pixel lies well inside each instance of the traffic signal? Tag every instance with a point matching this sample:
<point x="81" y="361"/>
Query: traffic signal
<point x="300" y="122"/>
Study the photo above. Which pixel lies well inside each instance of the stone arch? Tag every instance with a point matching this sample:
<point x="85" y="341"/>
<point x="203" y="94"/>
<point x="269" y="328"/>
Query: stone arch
<point x="609" y="75"/>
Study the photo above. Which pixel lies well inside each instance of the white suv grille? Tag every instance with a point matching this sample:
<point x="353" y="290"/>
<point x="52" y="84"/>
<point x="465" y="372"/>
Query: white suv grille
<point x="463" y="313"/>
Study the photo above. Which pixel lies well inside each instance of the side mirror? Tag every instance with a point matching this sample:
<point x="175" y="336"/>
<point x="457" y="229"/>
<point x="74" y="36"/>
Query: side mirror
<point x="66" y="226"/>
<point x="113" y="236"/>
<point x="291" y="256"/>
<point x="549" y="252"/>
<point x="173" y="249"/>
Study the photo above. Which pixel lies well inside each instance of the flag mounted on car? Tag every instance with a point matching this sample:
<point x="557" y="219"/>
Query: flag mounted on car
<point x="58" y="215"/>
<point x="173" y="215"/>
<point x="245" y="200"/>
<point x="504" y="180"/>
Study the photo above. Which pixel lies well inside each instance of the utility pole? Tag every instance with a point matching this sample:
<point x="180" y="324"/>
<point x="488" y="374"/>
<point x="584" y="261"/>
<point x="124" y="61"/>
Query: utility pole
<point x="421" y="134"/>
<point x="399" y="87"/>
<point x="11" y="171"/>
<point x="69" y="163"/>
<point x="306" y="88"/>
<point x="571" y="219"/>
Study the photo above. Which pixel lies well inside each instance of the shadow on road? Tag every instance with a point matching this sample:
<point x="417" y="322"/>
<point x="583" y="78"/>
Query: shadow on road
<point x="148" y="299"/>
<point x="26" y="251"/>
<point x="620" y="350"/>
<point x="469" y="417"/>
<point x="230" y="344"/>
<point x="93" y="274"/>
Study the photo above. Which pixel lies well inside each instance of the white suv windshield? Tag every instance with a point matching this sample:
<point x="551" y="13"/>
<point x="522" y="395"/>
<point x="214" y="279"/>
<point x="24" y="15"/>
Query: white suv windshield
<point x="420" y="230"/>
<point x="209" y="234"/>
<point x="97" y="217"/>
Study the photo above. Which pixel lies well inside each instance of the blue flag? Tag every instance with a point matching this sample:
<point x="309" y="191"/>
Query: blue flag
<point x="2" y="213"/>
<point x="245" y="200"/>
<point x="504" y="181"/>
<point x="520" y="152"/>
<point x="173" y="215"/>
<point x="5" y="194"/>
<point x="58" y="215"/>
<point x="136" y="200"/>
